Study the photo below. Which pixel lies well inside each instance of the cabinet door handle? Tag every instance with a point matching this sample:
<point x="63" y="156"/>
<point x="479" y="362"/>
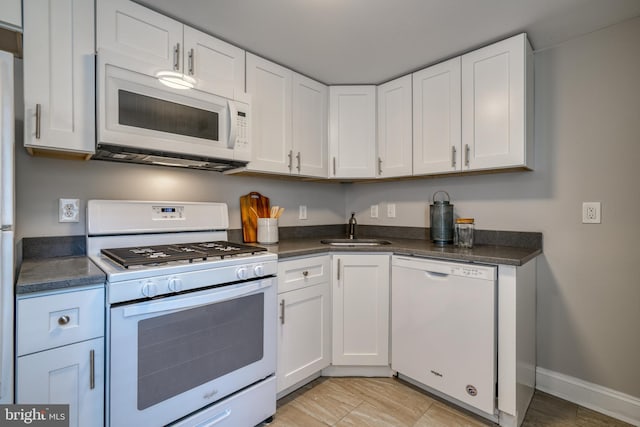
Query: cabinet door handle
<point x="298" y="158"/>
<point x="92" y="369"/>
<point x="466" y="154"/>
<point x="290" y="160"/>
<point x="282" y="312"/>
<point x="63" y="320"/>
<point x="191" y="59"/>
<point x="334" y="166"/>
<point x="453" y="156"/>
<point x="338" y="273"/>
<point x="379" y="165"/>
<point x="176" y="57"/>
<point x="305" y="273"/>
<point x="38" y="119"/>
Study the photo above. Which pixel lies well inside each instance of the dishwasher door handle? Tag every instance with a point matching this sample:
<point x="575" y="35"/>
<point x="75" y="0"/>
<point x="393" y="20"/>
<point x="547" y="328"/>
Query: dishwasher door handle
<point x="435" y="274"/>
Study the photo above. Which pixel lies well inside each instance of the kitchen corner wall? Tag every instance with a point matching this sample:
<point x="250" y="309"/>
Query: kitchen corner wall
<point x="587" y="146"/>
<point x="587" y="143"/>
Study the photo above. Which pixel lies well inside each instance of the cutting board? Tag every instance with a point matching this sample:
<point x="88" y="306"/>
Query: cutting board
<point x="250" y="204"/>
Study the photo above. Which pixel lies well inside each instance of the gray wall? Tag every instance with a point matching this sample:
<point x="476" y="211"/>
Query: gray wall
<point x="587" y="142"/>
<point x="587" y="149"/>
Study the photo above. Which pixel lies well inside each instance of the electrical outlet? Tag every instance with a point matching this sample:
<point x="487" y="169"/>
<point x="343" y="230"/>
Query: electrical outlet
<point x="374" y="211"/>
<point x="591" y="213"/>
<point x="302" y="212"/>
<point x="391" y="210"/>
<point x="69" y="210"/>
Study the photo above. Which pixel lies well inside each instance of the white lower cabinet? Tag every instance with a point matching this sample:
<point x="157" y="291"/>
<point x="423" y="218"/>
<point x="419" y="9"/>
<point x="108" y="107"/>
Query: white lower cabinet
<point x="60" y="353"/>
<point x="304" y="328"/>
<point x="360" y="310"/>
<point x="71" y="375"/>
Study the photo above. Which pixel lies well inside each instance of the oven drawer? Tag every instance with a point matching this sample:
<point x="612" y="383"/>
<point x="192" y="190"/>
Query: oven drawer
<point x="249" y="407"/>
<point x="302" y="272"/>
<point x="54" y="320"/>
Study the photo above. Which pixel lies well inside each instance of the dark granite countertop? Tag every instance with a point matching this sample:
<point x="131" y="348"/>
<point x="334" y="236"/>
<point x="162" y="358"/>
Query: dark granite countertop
<point x="47" y="274"/>
<point x="482" y="253"/>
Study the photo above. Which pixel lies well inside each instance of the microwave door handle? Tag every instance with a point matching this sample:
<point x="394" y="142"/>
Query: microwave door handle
<point x="233" y="123"/>
<point x="186" y="302"/>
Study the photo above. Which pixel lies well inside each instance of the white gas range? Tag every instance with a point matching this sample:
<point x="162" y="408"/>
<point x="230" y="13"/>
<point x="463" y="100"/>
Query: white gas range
<point x="191" y="317"/>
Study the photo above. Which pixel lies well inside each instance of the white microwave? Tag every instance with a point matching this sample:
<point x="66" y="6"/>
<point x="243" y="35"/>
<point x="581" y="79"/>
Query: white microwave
<point x="142" y="120"/>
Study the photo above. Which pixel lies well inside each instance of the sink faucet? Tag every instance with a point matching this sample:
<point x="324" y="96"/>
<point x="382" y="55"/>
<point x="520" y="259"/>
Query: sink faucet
<point x="352" y="226"/>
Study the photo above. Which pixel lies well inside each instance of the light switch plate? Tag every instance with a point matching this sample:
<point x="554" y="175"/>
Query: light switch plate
<point x="374" y="211"/>
<point x="391" y="210"/>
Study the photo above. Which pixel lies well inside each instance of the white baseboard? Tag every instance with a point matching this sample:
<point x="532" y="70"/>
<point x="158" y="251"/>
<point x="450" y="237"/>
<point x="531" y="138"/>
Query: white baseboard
<point x="601" y="399"/>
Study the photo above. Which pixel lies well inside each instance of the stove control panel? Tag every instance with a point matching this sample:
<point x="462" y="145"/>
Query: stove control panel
<point x="187" y="277"/>
<point x="167" y="212"/>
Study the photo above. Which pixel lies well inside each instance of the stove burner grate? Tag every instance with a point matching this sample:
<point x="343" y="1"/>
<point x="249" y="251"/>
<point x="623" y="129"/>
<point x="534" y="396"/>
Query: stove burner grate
<point x="143" y="255"/>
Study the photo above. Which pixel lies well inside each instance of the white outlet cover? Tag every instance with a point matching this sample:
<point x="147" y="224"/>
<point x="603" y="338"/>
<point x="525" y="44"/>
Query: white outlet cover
<point x="302" y="212"/>
<point x="391" y="210"/>
<point x="69" y="210"/>
<point x="591" y="213"/>
<point x="374" y="211"/>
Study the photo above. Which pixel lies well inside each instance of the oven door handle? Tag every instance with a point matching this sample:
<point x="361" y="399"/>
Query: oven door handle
<point x="192" y="301"/>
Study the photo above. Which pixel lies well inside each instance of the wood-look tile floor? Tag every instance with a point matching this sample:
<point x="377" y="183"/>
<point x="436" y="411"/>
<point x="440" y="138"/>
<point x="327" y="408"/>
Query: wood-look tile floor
<point x="389" y="402"/>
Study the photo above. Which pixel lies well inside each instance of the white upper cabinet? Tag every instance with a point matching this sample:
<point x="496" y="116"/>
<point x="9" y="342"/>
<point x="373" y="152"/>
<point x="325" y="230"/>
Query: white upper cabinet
<point x="11" y="13"/>
<point x="217" y="66"/>
<point x="289" y="120"/>
<point x="352" y="131"/>
<point x="436" y="118"/>
<point x="497" y="105"/>
<point x="394" y="128"/>
<point x="59" y="76"/>
<point x="270" y="87"/>
<point x="150" y="42"/>
<point x="310" y="111"/>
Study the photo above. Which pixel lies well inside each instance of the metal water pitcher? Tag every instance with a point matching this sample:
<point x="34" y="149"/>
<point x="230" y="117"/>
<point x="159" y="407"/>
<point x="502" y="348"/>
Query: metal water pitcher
<point x="441" y="217"/>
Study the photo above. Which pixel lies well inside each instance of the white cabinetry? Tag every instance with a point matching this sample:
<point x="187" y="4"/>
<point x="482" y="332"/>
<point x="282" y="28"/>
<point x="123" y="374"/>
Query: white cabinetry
<point x="60" y="353"/>
<point x="289" y="120"/>
<point x="360" y="310"/>
<point x="11" y="14"/>
<point x="497" y="105"/>
<point x="59" y="76"/>
<point x="352" y="131"/>
<point x="150" y="42"/>
<point x="436" y="118"/>
<point x="304" y="329"/>
<point x="394" y="128"/>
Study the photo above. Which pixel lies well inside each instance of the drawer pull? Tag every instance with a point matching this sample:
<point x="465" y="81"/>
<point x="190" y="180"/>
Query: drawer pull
<point x="305" y="273"/>
<point x="92" y="369"/>
<point x="282" y="312"/>
<point x="63" y="320"/>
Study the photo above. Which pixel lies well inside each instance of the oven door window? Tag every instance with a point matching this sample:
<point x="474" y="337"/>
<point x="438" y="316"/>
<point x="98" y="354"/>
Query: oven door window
<point x="182" y="350"/>
<point x="151" y="113"/>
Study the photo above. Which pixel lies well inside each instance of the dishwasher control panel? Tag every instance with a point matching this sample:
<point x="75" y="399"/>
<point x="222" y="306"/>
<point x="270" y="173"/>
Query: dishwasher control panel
<point x="446" y="268"/>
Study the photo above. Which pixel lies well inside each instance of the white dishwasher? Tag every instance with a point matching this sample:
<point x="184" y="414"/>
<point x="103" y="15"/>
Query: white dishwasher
<point x="443" y="322"/>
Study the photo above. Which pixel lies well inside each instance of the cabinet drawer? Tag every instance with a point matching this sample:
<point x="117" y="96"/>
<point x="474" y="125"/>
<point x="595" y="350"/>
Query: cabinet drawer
<point x="302" y="272"/>
<point x="58" y="319"/>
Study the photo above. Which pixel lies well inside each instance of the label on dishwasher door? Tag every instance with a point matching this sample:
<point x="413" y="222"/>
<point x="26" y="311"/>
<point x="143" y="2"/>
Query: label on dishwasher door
<point x="474" y="272"/>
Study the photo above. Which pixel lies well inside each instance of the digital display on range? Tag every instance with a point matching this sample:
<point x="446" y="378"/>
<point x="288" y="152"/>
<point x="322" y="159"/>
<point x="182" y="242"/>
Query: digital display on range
<point x="168" y="212"/>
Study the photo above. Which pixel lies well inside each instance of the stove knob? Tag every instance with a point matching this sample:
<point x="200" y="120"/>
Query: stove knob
<point x="242" y="273"/>
<point x="175" y="284"/>
<point x="258" y="270"/>
<point x="149" y="289"/>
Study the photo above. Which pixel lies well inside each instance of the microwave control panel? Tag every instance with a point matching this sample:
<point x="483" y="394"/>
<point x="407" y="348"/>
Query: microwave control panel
<point x="242" y="126"/>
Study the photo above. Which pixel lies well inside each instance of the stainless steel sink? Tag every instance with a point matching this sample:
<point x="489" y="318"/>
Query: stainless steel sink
<point x="355" y="242"/>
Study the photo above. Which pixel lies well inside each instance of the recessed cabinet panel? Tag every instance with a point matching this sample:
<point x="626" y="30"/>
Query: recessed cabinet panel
<point x="309" y="127"/>
<point x="495" y="102"/>
<point x="270" y="87"/>
<point x="360" y="310"/>
<point x="140" y="33"/>
<point x="436" y="118"/>
<point x="11" y="13"/>
<point x="59" y="75"/>
<point x="352" y="131"/>
<point x="394" y="128"/>
<point x="217" y="66"/>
